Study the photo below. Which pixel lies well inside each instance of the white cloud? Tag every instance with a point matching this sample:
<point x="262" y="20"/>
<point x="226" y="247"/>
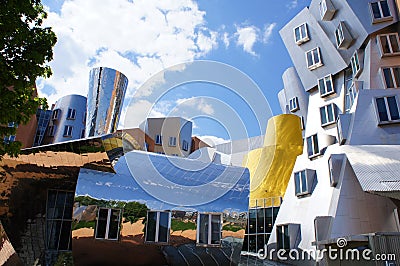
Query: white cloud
<point x="212" y="140"/>
<point x="139" y="38"/>
<point x="268" y="28"/>
<point x="247" y="37"/>
<point x="226" y="39"/>
<point x="197" y="103"/>
<point x="292" y="4"/>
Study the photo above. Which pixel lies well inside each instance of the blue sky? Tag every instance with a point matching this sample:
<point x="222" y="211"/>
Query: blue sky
<point x="140" y="38"/>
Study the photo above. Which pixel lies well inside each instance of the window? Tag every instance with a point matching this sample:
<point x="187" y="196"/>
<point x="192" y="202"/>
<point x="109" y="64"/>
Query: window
<point x="325" y="86"/>
<point x="335" y="163"/>
<point x="328" y="114"/>
<point x="185" y="145"/>
<point x="355" y="65"/>
<point x="55" y="114"/>
<point x="71" y="113"/>
<point x="283" y="238"/>
<point x="59" y="219"/>
<point x="157" y="226"/>
<point x="391" y="76"/>
<point x="388" y="109"/>
<point x="343" y="36"/>
<point x="209" y="227"/>
<point x="380" y="11"/>
<point x="52" y="131"/>
<point x="312" y="146"/>
<point x="326" y="9"/>
<point x="303" y="182"/>
<point x="172" y="141"/>
<point x="13" y="124"/>
<point x="294" y="104"/>
<point x="343" y="127"/>
<point x="352" y="87"/>
<point x="301" y="34"/>
<point x="67" y="131"/>
<point x="302" y="124"/>
<point x="108" y="224"/>
<point x="389" y="44"/>
<point x="158" y="140"/>
<point x="8" y="139"/>
<point x="314" y="58"/>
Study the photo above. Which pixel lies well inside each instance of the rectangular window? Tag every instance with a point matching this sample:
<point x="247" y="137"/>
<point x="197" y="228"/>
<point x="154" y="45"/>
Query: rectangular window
<point x="343" y="36"/>
<point x="312" y="146"/>
<point x="185" y="145"/>
<point x="389" y="44"/>
<point x="158" y="140"/>
<point x="328" y="114"/>
<point x="172" y="141"/>
<point x="294" y="104"/>
<point x="387" y="109"/>
<point x="302" y="124"/>
<point x="71" y="113"/>
<point x="59" y="219"/>
<point x="326" y="9"/>
<point x="325" y="86"/>
<point x="380" y="11"/>
<point x="158" y="225"/>
<point x="301" y="34"/>
<point x="283" y="237"/>
<point x="8" y="139"/>
<point x="209" y="226"/>
<point x="391" y="76"/>
<point x="300" y="182"/>
<point x="313" y="58"/>
<point x="52" y="131"/>
<point x="13" y="124"/>
<point x="56" y="114"/>
<point x="67" y="131"/>
<point x="108" y="224"/>
<point x="355" y="65"/>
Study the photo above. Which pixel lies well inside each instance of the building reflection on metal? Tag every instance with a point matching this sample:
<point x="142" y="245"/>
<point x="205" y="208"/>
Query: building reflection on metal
<point x="116" y="221"/>
<point x="105" y="99"/>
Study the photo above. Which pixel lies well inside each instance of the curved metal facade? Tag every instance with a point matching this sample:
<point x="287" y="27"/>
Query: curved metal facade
<point x="105" y="99"/>
<point x="67" y="120"/>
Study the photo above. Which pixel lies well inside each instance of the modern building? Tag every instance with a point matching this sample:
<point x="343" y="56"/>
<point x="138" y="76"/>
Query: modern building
<point x="105" y="99"/>
<point x="344" y="87"/>
<point x="171" y="135"/>
<point x="67" y="120"/>
<point x="43" y="119"/>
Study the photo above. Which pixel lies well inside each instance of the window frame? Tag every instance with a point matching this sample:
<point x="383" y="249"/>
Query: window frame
<point x="283" y="240"/>
<point x="185" y="145"/>
<point x="325" y="80"/>
<point x="381" y="18"/>
<point x="314" y="64"/>
<point x="314" y="144"/>
<point x="387" y="109"/>
<point x="294" y="104"/>
<point x="302" y="39"/>
<point x="334" y="113"/>
<point x="157" y="229"/>
<point x="71" y="114"/>
<point x="56" y="114"/>
<point x="52" y="130"/>
<point x="301" y="175"/>
<point x="68" y="129"/>
<point x="394" y="81"/>
<point x="210" y="229"/>
<point x="158" y="139"/>
<point x="389" y="42"/>
<point x="326" y="10"/>
<point x="172" y="142"/>
<point x="106" y="236"/>
<point x="355" y="64"/>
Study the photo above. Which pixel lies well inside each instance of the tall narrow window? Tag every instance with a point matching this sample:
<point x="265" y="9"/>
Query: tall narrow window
<point x="328" y="114"/>
<point x="209" y="229"/>
<point x="312" y="146"/>
<point x="391" y="76"/>
<point x="185" y="145"/>
<point x="157" y="226"/>
<point x="326" y="9"/>
<point x="301" y="34"/>
<point x="388" y="109"/>
<point x="300" y="182"/>
<point x="294" y="104"/>
<point x="380" y="11"/>
<point x="343" y="36"/>
<point x="325" y="86"/>
<point x="71" y="113"/>
<point x="108" y="224"/>
<point x="313" y="58"/>
<point x="283" y="237"/>
<point x="389" y="44"/>
<point x="67" y="131"/>
<point x="56" y="114"/>
<point x="355" y="64"/>
<point x="59" y="219"/>
<point x="172" y="141"/>
<point x="158" y="140"/>
<point x="51" y="131"/>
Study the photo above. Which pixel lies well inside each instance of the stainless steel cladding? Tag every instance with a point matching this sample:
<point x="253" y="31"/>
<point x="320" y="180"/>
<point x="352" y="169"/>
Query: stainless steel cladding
<point x="105" y="99"/>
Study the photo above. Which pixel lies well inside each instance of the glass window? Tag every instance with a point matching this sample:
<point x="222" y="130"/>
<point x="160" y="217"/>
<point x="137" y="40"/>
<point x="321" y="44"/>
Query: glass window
<point x="380" y="11"/>
<point x="326" y="9"/>
<point x="67" y="131"/>
<point x="328" y="114"/>
<point x="157" y="226"/>
<point x="59" y="219"/>
<point x="355" y="64"/>
<point x="108" y="224"/>
<point x="300" y="181"/>
<point x="389" y="44"/>
<point x="52" y="131"/>
<point x="185" y="145"/>
<point x="314" y="58"/>
<point x="283" y="238"/>
<point x="55" y="114"/>
<point x="209" y="227"/>
<point x="158" y="140"/>
<point x="325" y="86"/>
<point x="312" y="146"/>
<point x="294" y="104"/>
<point x="391" y="76"/>
<point x="339" y="35"/>
<point x="301" y="34"/>
<point x="71" y="113"/>
<point x="172" y="141"/>
<point x="388" y="110"/>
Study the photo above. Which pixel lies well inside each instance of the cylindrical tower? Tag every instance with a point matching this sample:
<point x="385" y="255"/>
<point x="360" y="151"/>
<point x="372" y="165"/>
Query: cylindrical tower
<point x="105" y="99"/>
<point x="67" y="121"/>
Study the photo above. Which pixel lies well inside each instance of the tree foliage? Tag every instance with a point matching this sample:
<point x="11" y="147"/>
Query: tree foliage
<point x="25" y="49"/>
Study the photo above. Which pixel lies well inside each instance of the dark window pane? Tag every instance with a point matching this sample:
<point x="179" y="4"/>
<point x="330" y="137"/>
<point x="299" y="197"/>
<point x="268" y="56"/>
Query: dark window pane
<point x="309" y="59"/>
<point x="163" y="227"/>
<point x="383" y="116"/>
<point x="260" y="220"/>
<point x="151" y="226"/>
<point x="330" y="113"/>
<point x="203" y="229"/>
<point x="394" y="43"/>
<point x="385" y="45"/>
<point x="101" y="223"/>
<point x="375" y="10"/>
<point x="315" y="143"/>
<point x="286" y="238"/>
<point x="303" y="181"/>
<point x="394" y="111"/>
<point x="269" y="222"/>
<point x="260" y="241"/>
<point x="297" y="182"/>
<point x="396" y="73"/>
<point x="388" y="78"/>
<point x="297" y="34"/>
<point x="309" y="146"/>
<point x="316" y="56"/>
<point x="329" y="87"/>
<point x="113" y="228"/>
<point x="215" y="229"/>
<point x="323" y="115"/>
<point x="321" y="85"/>
<point x="252" y="221"/>
<point x="69" y="204"/>
<point x="253" y="243"/>
<point x="303" y="31"/>
<point x="65" y="236"/>
<point x="53" y="234"/>
<point x="385" y="9"/>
